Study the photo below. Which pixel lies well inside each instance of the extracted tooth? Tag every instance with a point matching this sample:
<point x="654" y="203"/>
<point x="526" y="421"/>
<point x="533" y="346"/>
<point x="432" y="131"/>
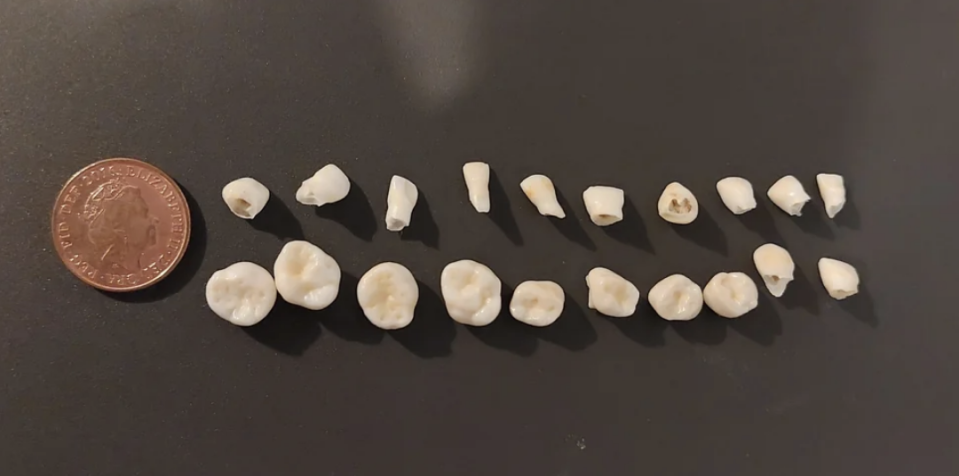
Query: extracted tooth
<point x="537" y="303"/>
<point x="840" y="279"/>
<point x="242" y="293"/>
<point x="399" y="203"/>
<point x="388" y="294"/>
<point x="676" y="298"/>
<point x="731" y="295"/>
<point x="327" y="185"/>
<point x="789" y="195"/>
<point x="476" y="175"/>
<point x="306" y="276"/>
<point x="604" y="204"/>
<point x="678" y="205"/>
<point x="246" y="197"/>
<point x="737" y="194"/>
<point x="832" y="187"/>
<point x="472" y="292"/>
<point x="611" y="294"/>
<point x="776" y="267"/>
<point x="539" y="189"/>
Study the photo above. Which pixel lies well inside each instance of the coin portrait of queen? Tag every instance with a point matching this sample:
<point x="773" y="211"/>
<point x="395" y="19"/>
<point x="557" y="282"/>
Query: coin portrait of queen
<point x="119" y="225"/>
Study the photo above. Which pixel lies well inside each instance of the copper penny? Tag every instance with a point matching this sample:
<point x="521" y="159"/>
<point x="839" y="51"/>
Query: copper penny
<point x="121" y="225"/>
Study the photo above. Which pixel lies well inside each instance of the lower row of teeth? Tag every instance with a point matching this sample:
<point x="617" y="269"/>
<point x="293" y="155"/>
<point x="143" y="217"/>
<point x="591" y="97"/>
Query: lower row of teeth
<point x="304" y="275"/>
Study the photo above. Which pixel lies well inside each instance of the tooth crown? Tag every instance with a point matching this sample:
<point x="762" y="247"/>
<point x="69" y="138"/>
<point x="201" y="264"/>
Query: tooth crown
<point x="611" y="294"/>
<point x="476" y="175"/>
<point x="399" y="203"/>
<point x="604" y="204"/>
<point x="776" y="267"/>
<point x="731" y="295"/>
<point x="678" y="205"/>
<point x="327" y="185"/>
<point x="840" y="279"/>
<point x="537" y="303"/>
<point x="388" y="294"/>
<point x="246" y="197"/>
<point x="242" y="293"/>
<point x="472" y="292"/>
<point x="541" y="192"/>
<point x="789" y="195"/>
<point x="832" y="187"/>
<point x="306" y="276"/>
<point x="737" y="194"/>
<point x="676" y="298"/>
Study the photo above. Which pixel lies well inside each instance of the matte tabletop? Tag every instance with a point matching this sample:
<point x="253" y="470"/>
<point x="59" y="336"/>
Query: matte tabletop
<point x="629" y="94"/>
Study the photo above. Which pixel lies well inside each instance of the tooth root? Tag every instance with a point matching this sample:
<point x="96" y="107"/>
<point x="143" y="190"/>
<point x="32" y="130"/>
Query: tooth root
<point x="731" y="295"/>
<point x="399" y="203"/>
<point x="789" y="195"/>
<point x="611" y="294"/>
<point x="246" y="197"/>
<point x="840" y="279"/>
<point x="327" y="185"/>
<point x="678" y="205"/>
<point x="737" y="194"/>
<point x="541" y="192"/>
<point x="306" y="276"/>
<point x="832" y="187"/>
<point x="776" y="267"/>
<point x="476" y="175"/>
<point x="388" y="294"/>
<point x="472" y="292"/>
<point x="604" y="204"/>
<point x="537" y="303"/>
<point x="676" y="298"/>
<point x="242" y="293"/>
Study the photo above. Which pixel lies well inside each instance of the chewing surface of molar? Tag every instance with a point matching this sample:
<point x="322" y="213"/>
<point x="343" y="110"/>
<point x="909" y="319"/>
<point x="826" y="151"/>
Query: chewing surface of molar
<point x="611" y="294"/>
<point x="676" y="298"/>
<point x="731" y="295"/>
<point x="472" y="292"/>
<point x="537" y="303"/>
<point x="246" y="197"/>
<point x="388" y="294"/>
<point x="242" y="293"/>
<point x="306" y="276"/>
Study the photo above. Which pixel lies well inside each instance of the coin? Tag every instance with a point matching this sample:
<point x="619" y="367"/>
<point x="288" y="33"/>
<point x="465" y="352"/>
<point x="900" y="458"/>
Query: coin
<point x="121" y="225"/>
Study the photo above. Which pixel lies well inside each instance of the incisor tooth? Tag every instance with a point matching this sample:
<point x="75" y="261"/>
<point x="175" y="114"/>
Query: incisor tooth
<point x="476" y="175"/>
<point x="832" y="187"/>
<point x="246" y="197"/>
<point x="327" y="185"/>
<point x="776" y="267"/>
<point x="242" y="293"/>
<point x="539" y="189"/>
<point x="676" y="298"/>
<point x="611" y="294"/>
<point x="604" y="204"/>
<point x="737" y="194"/>
<point x="306" y="276"/>
<point x="537" y="303"/>
<point x="731" y="295"/>
<point x="789" y="195"/>
<point x="840" y="279"/>
<point x="678" y="205"/>
<point x="472" y="292"/>
<point x="400" y="202"/>
<point x="388" y="293"/>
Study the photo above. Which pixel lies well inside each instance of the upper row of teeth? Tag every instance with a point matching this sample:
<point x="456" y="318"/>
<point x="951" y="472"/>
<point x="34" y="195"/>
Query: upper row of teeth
<point x="246" y="197"/>
<point x="306" y="276"/>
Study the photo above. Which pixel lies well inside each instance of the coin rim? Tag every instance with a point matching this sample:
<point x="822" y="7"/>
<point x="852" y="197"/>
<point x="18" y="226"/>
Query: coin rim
<point x="146" y="284"/>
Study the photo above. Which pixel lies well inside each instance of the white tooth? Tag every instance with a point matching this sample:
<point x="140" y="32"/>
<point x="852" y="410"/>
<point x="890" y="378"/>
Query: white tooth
<point x="737" y="194"/>
<point x="539" y="189"/>
<point x="676" y="298"/>
<point x="399" y="203"/>
<point x="832" y="187"/>
<point x="327" y="185"/>
<point x="476" y="175"/>
<point x="245" y="197"/>
<point x="678" y="205"/>
<point x="611" y="294"/>
<point x="840" y="279"/>
<point x="776" y="267"/>
<point x="537" y="303"/>
<point x="604" y="204"/>
<point x="731" y="295"/>
<point x="472" y="292"/>
<point x="242" y="293"/>
<point x="306" y="276"/>
<point x="789" y="195"/>
<point x="388" y="294"/>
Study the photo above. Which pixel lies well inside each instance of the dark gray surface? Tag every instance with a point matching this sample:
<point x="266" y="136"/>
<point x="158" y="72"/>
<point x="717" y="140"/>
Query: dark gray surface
<point x="634" y="94"/>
